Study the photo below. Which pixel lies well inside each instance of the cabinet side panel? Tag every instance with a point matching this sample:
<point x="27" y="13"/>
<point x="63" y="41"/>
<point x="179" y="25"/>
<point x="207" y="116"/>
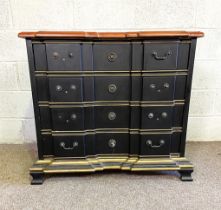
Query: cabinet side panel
<point x="187" y="95"/>
<point x="34" y="96"/>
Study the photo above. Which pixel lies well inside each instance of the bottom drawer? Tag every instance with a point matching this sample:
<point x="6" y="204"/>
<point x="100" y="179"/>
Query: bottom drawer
<point x="112" y="143"/>
<point x="72" y="146"/>
<point x="155" y="144"/>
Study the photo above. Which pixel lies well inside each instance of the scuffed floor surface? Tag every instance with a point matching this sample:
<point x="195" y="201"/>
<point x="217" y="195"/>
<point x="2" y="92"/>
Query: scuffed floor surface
<point x="115" y="190"/>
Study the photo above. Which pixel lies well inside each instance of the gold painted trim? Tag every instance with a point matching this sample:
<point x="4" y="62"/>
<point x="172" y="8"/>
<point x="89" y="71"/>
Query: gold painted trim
<point x="130" y="103"/>
<point x="109" y="71"/>
<point x="100" y="163"/>
<point x="161" y="42"/>
<point x="164" y="74"/>
<point x="112" y="130"/>
<point x="108" y="103"/>
<point x="167" y="42"/>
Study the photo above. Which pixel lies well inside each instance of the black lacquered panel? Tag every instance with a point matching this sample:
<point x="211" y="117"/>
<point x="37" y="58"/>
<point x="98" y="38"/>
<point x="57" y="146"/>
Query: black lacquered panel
<point x="67" y="118"/>
<point x="112" y="88"/>
<point x="69" y="146"/>
<point x="63" y="57"/>
<point x="40" y="57"/>
<point x="155" y="144"/>
<point x="109" y="143"/>
<point x="112" y="56"/>
<point x="112" y="116"/>
<point x="66" y="89"/>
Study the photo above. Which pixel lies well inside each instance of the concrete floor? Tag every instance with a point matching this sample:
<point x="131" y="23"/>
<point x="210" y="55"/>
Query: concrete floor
<point x="111" y="190"/>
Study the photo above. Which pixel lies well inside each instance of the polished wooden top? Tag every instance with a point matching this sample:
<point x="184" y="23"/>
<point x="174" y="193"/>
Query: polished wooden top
<point x="109" y="35"/>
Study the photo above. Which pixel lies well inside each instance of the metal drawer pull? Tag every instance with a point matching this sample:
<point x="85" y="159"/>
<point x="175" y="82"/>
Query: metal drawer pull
<point x="55" y="55"/>
<point x="112" y="143"/>
<point x="150" y="143"/>
<point x="150" y="115"/>
<point x="164" y="114"/>
<point x="58" y="88"/>
<point x="70" y="55"/>
<point x="112" y="56"/>
<point x="73" y="87"/>
<point x="75" y="144"/>
<point x="166" y="85"/>
<point x="154" y="53"/>
<point x="112" y="115"/>
<point x="73" y="116"/>
<point x="112" y="88"/>
<point x="152" y="86"/>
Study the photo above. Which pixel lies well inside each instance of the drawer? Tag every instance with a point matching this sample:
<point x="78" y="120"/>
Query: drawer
<point x="155" y="144"/>
<point x="112" y="56"/>
<point x="112" y="88"/>
<point x="63" y="57"/>
<point x="161" y="117"/>
<point x="164" y="88"/>
<point x="111" y="143"/>
<point x="69" y="146"/>
<point x="67" y="118"/>
<point x="66" y="89"/>
<point x="158" y="88"/>
<point x="160" y="55"/>
<point x="157" y="117"/>
<point x="112" y="117"/>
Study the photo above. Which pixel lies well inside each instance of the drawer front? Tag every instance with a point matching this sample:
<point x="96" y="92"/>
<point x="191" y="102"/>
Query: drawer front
<point x="157" y="144"/>
<point x="69" y="146"/>
<point x="66" y="89"/>
<point x="112" y="117"/>
<point x="160" y="56"/>
<point x="67" y="119"/>
<point x="112" y="88"/>
<point x="63" y="57"/>
<point x="157" y="117"/>
<point x="112" y="56"/>
<point x="158" y="88"/>
<point x="111" y="143"/>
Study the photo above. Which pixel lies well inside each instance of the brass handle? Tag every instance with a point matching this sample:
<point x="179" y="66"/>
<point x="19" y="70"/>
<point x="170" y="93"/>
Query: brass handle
<point x="150" y="115"/>
<point x="164" y="114"/>
<point x="73" y="87"/>
<point x="75" y="144"/>
<point x="112" y="88"/>
<point x="58" y="88"/>
<point x="155" y="55"/>
<point x="55" y="55"/>
<point x="73" y="116"/>
<point x="150" y="143"/>
<point x="166" y="85"/>
<point x="112" y="56"/>
<point x="112" y="115"/>
<point x="112" y="143"/>
<point x="71" y="55"/>
<point x="152" y="86"/>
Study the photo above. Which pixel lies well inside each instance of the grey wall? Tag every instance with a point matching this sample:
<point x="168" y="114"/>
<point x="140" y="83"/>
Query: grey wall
<point x="16" y="111"/>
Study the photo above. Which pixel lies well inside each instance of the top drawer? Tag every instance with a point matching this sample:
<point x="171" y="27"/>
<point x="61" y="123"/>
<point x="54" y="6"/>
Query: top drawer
<point x="165" y="55"/>
<point x="111" y="56"/>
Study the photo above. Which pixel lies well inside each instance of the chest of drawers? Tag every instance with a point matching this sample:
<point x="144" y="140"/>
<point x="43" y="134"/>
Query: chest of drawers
<point x="111" y="100"/>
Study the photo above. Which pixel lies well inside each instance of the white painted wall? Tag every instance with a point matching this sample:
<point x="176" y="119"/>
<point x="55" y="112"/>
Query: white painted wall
<point x="16" y="111"/>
